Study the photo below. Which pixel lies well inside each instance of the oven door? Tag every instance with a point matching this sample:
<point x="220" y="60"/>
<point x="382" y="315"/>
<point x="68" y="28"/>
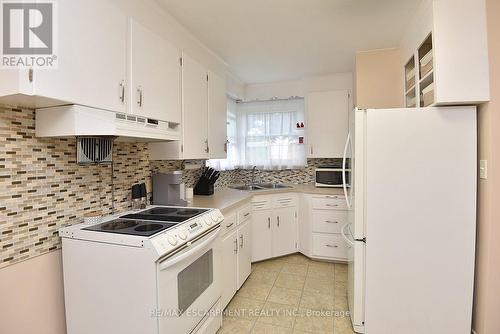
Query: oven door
<point x="188" y="285"/>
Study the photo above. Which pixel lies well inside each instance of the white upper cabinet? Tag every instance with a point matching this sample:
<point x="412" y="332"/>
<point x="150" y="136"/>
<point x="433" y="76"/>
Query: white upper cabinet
<point x="327" y="117"/>
<point x="194" y="109"/>
<point x="91" y="55"/>
<point x="154" y="75"/>
<point x="217" y="116"/>
<point x="445" y="54"/>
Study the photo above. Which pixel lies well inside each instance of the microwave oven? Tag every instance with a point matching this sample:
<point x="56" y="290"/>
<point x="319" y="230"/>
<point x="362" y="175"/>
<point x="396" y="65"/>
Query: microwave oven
<point x="331" y="177"/>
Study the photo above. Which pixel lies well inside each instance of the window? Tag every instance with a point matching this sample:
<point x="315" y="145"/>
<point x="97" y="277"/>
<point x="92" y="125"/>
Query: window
<point x="264" y="134"/>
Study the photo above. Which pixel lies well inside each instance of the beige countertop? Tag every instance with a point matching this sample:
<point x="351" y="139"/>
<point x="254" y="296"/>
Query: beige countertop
<point x="226" y="198"/>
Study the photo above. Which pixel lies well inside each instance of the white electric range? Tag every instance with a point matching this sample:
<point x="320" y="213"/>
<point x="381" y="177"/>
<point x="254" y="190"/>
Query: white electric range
<point x="149" y="271"/>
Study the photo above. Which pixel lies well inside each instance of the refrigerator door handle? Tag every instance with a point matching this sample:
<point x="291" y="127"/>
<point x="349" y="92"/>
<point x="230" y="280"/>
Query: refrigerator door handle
<point x="346" y="239"/>
<point x="344" y="160"/>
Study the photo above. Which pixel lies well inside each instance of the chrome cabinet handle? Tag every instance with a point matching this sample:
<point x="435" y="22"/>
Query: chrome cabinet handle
<point x="246" y="214"/>
<point x="328" y="196"/>
<point x="236" y="245"/>
<point x="207" y="148"/>
<point x="331" y="222"/>
<point x="228" y="226"/>
<point x="332" y="205"/>
<point x="122" y="91"/>
<point x="278" y="221"/>
<point x="332" y="246"/>
<point x="139" y="96"/>
<point x="312" y="149"/>
<point x="241" y="240"/>
<point x="269" y="222"/>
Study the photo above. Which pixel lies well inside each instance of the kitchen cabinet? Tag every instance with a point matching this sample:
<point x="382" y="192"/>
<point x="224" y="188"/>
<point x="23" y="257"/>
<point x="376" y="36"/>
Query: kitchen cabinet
<point x="327" y="115"/>
<point x="217" y="117"/>
<point x="262" y="247"/>
<point x="274" y="228"/>
<point x="321" y="228"/>
<point x="154" y="88"/>
<point x="91" y="59"/>
<point x="244" y="252"/>
<point x="236" y="246"/>
<point x="445" y="54"/>
<point x="229" y="276"/>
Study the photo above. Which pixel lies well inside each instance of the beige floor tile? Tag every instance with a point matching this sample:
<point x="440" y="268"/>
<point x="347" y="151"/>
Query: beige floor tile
<point x="284" y="296"/>
<point x="263" y="276"/>
<point x="256" y="291"/>
<point x="340" y="276"/>
<point x="316" y="301"/>
<point x="295" y="269"/>
<point x="341" y="289"/>
<point x="325" y="272"/>
<point x="236" y="326"/>
<point x="342" y="325"/>
<point x="340" y="303"/>
<point x="270" y="265"/>
<point x="244" y="308"/>
<point x="340" y="267"/>
<point x="322" y="285"/>
<point x="289" y="281"/>
<point x="261" y="328"/>
<point x="322" y="264"/>
<point x="277" y="315"/>
<point x="296" y="258"/>
<point x="310" y="321"/>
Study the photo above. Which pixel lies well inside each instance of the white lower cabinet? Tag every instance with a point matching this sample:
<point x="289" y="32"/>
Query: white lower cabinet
<point x="325" y="216"/>
<point x="274" y="227"/>
<point x="236" y="244"/>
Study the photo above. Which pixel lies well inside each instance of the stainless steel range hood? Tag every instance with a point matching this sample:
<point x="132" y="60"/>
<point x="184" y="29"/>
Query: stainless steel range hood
<point x="76" y="121"/>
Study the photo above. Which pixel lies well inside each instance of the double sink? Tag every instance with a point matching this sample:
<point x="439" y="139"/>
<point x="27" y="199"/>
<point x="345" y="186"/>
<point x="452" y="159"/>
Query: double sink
<point x="260" y="186"/>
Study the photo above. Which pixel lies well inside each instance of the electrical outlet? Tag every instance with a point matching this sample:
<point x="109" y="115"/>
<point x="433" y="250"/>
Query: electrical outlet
<point x="483" y="169"/>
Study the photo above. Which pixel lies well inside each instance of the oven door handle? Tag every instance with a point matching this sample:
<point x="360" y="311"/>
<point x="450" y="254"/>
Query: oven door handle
<point x="176" y="259"/>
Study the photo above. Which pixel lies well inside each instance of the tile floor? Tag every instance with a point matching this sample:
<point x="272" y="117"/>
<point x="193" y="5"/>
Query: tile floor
<point x="292" y="294"/>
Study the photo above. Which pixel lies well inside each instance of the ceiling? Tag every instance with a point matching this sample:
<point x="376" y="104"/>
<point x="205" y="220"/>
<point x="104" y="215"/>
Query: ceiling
<point x="274" y="40"/>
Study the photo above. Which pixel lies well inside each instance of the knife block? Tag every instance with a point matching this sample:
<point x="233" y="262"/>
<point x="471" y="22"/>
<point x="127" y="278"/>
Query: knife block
<point x="203" y="188"/>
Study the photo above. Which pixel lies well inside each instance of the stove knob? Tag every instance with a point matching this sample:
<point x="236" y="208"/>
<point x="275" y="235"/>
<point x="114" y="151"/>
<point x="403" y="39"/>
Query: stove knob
<point x="208" y="221"/>
<point x="172" y="240"/>
<point x="183" y="235"/>
<point x="214" y="217"/>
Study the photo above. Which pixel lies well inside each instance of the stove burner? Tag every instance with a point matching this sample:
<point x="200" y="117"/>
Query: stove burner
<point x="118" y="225"/>
<point x="148" y="227"/>
<point x="187" y="212"/>
<point x="161" y="211"/>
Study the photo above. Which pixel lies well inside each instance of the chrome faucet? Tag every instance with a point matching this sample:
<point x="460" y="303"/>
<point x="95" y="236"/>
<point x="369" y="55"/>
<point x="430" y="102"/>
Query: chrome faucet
<point x="253" y="174"/>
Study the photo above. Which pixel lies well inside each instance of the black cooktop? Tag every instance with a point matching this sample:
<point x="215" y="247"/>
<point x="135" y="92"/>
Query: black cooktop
<point x="131" y="227"/>
<point x="166" y="214"/>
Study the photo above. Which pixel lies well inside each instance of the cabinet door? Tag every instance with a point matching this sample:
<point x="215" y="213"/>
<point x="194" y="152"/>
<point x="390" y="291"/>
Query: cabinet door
<point x="244" y="252"/>
<point x="195" y="109"/>
<point x="229" y="267"/>
<point x="91" y="55"/>
<point x="217" y="116"/>
<point x="262" y="247"/>
<point x="327" y="123"/>
<point x="154" y="75"/>
<point x="284" y="232"/>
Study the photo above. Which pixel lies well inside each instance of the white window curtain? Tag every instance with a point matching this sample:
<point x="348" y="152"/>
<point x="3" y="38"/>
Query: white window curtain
<point x="232" y="136"/>
<point x="268" y="136"/>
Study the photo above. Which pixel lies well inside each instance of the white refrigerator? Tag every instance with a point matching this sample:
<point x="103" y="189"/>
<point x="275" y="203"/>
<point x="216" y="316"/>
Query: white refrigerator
<point x="412" y="220"/>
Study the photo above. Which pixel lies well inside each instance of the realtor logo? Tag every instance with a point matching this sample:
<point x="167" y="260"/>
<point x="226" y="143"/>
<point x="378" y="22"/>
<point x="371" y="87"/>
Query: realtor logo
<point x="28" y="34"/>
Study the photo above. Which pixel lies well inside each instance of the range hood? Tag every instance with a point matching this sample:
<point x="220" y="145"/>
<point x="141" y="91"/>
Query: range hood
<point x="77" y="121"/>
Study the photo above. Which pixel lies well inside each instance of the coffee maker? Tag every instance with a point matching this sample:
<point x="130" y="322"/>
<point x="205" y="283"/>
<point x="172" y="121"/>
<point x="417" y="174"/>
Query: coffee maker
<point x="168" y="189"/>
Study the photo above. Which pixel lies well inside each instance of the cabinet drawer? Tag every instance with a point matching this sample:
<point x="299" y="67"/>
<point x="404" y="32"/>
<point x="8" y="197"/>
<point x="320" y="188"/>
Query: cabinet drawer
<point x="329" y="203"/>
<point x="331" y="246"/>
<point x="284" y="202"/>
<point x="261" y="204"/>
<point x="328" y="221"/>
<point x="230" y="222"/>
<point x="244" y="214"/>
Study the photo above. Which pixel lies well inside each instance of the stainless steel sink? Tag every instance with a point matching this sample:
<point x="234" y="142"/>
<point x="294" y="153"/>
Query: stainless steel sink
<point x="273" y="185"/>
<point x="260" y="186"/>
<point x="247" y="187"/>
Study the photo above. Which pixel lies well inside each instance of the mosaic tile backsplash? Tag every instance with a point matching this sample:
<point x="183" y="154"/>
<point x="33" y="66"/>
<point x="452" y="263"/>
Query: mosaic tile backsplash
<point x="43" y="189"/>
